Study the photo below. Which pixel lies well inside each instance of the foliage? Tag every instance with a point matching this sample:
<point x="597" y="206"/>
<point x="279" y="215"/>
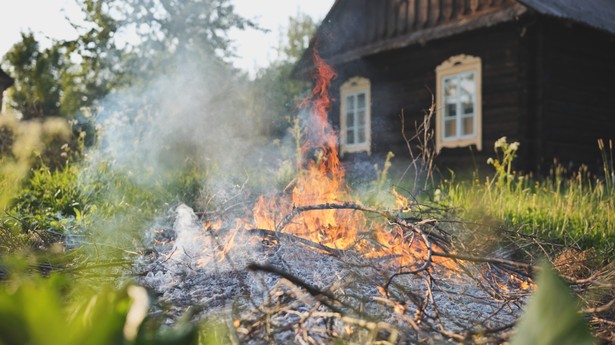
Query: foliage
<point x="172" y="33"/>
<point x="181" y="26"/>
<point x="70" y="75"/>
<point x="275" y="94"/>
<point x="46" y="203"/>
<point x="41" y="205"/>
<point x="51" y="311"/>
<point x="45" y="198"/>
<point x="63" y="78"/>
<point x="300" y="30"/>
<point x="36" y="91"/>
<point x="577" y="208"/>
<point x="21" y="145"/>
<point x="551" y="316"/>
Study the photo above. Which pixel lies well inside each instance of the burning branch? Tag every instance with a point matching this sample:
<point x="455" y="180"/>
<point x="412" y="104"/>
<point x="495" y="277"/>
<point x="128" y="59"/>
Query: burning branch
<point x="297" y="210"/>
<point x="275" y="235"/>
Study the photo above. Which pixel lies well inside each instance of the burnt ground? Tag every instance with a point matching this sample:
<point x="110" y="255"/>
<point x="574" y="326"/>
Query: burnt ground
<point x="277" y="289"/>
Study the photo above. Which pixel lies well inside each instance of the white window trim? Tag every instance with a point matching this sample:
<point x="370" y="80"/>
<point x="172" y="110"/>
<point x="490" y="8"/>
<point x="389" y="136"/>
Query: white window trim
<point x="457" y="65"/>
<point x="356" y="85"/>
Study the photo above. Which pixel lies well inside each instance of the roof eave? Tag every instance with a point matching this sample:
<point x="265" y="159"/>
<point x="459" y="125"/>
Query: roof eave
<point x="302" y="67"/>
<point x="596" y="21"/>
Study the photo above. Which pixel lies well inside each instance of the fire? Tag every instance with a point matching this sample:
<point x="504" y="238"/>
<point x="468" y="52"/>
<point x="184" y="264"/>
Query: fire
<point x="403" y="204"/>
<point x="321" y="181"/>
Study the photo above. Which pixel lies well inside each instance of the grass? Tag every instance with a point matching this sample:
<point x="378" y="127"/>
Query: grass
<point x="575" y="208"/>
<point x="114" y="205"/>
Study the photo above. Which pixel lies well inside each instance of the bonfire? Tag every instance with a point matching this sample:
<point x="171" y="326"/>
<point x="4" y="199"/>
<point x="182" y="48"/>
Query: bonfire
<point x="312" y="264"/>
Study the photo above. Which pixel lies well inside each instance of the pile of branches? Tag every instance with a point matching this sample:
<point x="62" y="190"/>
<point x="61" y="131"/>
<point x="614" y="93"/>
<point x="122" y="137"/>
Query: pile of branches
<point x="313" y="294"/>
<point x="409" y="304"/>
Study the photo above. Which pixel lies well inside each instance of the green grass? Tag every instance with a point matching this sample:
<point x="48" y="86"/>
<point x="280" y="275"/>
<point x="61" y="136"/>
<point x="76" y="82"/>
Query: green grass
<point x="575" y="208"/>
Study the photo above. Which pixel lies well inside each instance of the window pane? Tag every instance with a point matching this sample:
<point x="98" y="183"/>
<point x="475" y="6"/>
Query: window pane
<point x="350" y="103"/>
<point x="468" y="108"/>
<point x="361" y="101"/>
<point x="467" y="92"/>
<point x="450" y="110"/>
<point x="450" y="128"/>
<point x="350" y="136"/>
<point x="468" y="126"/>
<point x="467" y="84"/>
<point x="361" y="135"/>
<point x="450" y="88"/>
<point x="470" y="77"/>
<point x="465" y="97"/>
<point x="361" y="118"/>
<point x="350" y="119"/>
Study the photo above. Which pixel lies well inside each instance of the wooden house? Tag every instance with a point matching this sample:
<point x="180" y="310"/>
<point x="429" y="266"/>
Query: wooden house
<point x="5" y="82"/>
<point x="541" y="72"/>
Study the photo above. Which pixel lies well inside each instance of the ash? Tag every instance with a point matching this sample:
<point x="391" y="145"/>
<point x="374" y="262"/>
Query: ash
<point x="276" y="290"/>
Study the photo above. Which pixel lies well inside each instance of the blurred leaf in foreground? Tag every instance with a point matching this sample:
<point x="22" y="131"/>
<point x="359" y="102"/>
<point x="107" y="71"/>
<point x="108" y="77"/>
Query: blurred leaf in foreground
<point x="551" y="316"/>
<point x="43" y="311"/>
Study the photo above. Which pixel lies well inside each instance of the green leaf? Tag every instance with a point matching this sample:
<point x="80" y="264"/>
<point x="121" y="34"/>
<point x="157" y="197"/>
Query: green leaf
<point x="551" y="315"/>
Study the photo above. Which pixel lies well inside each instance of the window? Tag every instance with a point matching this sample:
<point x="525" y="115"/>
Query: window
<point x="355" y="117"/>
<point x="458" y="97"/>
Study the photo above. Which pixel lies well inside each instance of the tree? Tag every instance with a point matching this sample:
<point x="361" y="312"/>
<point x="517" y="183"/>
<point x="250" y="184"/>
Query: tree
<point x="36" y="92"/>
<point x="175" y="32"/>
<point x="275" y="92"/>
<point x="70" y="75"/>
<point x="300" y="30"/>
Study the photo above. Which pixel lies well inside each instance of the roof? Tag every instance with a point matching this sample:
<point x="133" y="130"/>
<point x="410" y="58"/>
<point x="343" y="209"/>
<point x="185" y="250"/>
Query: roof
<point x="356" y="28"/>
<point x="5" y="80"/>
<point x="599" y="14"/>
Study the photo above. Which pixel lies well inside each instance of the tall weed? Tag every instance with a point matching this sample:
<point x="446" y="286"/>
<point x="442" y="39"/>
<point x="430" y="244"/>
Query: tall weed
<point x="577" y="208"/>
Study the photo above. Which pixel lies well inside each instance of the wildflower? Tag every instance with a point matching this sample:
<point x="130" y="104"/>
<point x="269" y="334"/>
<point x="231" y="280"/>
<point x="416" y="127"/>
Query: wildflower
<point x="499" y="143"/>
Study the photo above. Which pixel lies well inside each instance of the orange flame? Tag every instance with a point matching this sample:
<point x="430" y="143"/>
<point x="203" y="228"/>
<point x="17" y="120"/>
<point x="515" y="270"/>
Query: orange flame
<point x="403" y="204"/>
<point x="320" y="180"/>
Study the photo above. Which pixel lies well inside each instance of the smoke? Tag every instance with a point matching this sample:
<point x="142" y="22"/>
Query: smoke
<point x="197" y="115"/>
<point x="192" y="113"/>
<point x="187" y="229"/>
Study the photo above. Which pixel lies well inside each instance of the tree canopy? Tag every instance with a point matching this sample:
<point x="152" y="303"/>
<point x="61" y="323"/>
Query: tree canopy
<point x="71" y="74"/>
<point x="276" y="94"/>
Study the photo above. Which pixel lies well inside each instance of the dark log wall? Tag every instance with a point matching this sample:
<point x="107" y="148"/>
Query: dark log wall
<point x="404" y="79"/>
<point x="578" y="92"/>
<point x="547" y="83"/>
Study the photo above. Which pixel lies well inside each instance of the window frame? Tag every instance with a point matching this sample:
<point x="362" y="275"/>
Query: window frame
<point x="456" y="67"/>
<point x="354" y="87"/>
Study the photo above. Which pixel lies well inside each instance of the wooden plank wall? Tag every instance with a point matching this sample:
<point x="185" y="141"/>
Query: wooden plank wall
<point x="578" y="92"/>
<point x="547" y="83"/>
<point x="404" y="79"/>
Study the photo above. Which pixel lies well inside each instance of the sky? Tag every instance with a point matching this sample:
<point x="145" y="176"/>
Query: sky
<point x="47" y="18"/>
